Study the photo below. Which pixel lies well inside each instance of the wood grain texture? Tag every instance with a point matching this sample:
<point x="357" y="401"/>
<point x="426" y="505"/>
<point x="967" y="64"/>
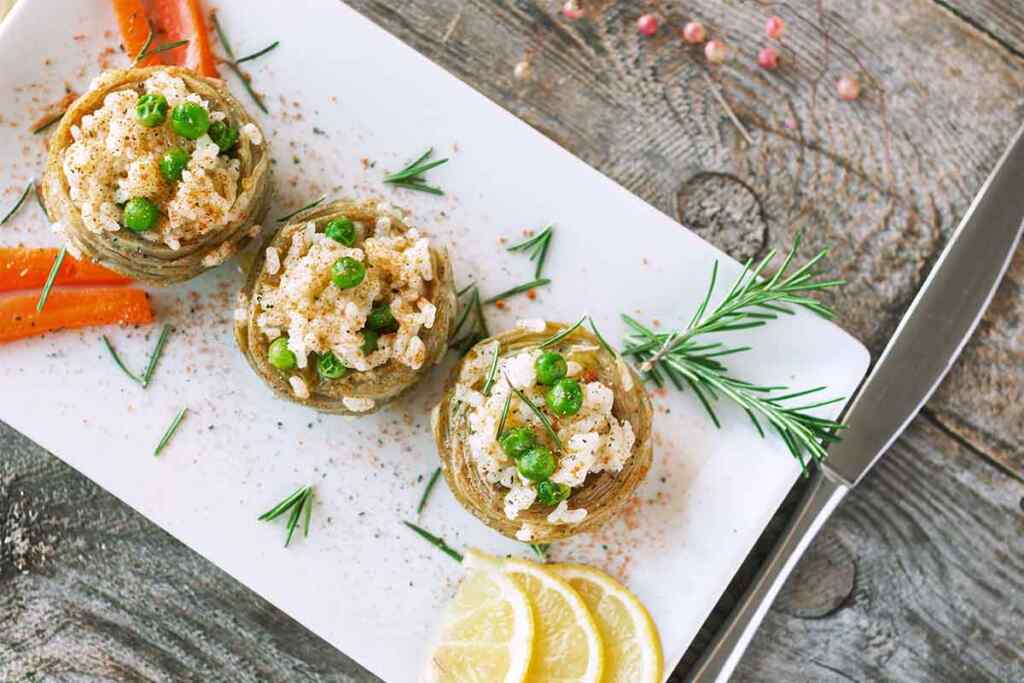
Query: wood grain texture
<point x="90" y="591"/>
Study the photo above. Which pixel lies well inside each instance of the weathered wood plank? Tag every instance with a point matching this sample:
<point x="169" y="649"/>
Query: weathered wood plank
<point x="1003" y="20"/>
<point x="939" y="580"/>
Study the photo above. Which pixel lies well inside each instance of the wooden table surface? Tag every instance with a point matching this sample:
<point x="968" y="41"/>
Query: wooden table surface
<point x="920" y="574"/>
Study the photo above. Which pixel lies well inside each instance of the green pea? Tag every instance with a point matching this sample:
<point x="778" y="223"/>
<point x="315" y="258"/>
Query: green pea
<point x="189" y="120"/>
<point x="223" y="134"/>
<point x="172" y="163"/>
<point x="347" y="272"/>
<point x="151" y="110"/>
<point x="279" y="355"/>
<point x="330" y="367"/>
<point x="140" y="214"/>
<point x="517" y="441"/>
<point x="382" y="319"/>
<point x="341" y="230"/>
<point x="550" y="367"/>
<point x="536" y="464"/>
<point x="550" y="493"/>
<point x="565" y="397"/>
<point x="369" y="341"/>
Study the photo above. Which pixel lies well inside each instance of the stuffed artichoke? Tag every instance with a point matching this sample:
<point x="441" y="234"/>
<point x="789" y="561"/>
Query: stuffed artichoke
<point x="346" y="308"/>
<point x="157" y="173"/>
<point x="543" y="432"/>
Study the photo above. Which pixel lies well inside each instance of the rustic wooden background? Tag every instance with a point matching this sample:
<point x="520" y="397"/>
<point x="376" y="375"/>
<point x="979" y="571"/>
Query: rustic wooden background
<point x="918" y="577"/>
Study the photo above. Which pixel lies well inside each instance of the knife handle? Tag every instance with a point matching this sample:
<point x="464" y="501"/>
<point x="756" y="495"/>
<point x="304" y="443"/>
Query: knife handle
<point x="724" y="654"/>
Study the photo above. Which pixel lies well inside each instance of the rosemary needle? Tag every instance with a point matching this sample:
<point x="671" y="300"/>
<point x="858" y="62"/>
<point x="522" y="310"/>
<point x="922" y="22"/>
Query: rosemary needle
<point x="492" y="373"/>
<point x="258" y="53"/>
<point x="17" y="204"/>
<point x="284" y="505"/>
<point x="300" y="505"/>
<point x="155" y="356"/>
<point x="411" y="177"/>
<point x="48" y="122"/>
<point x="540" y="416"/>
<point x="426" y="491"/>
<point x="561" y="335"/>
<point x="296" y="212"/>
<point x="117" y="361"/>
<point x="140" y="55"/>
<point x="170" y="431"/>
<point x="45" y="294"/>
<point x="436" y="541"/>
<point x="541" y="549"/>
<point x="518" y="290"/>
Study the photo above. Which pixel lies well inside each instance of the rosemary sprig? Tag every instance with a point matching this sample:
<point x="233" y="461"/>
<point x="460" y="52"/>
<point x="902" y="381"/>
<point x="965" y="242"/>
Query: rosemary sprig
<point x="426" y="491"/>
<point x="170" y="430"/>
<point x="45" y="294"/>
<point x="296" y="212"/>
<point x="154" y="357"/>
<point x="436" y="541"/>
<point x="43" y="125"/>
<point x="298" y="502"/>
<point x="117" y="360"/>
<point x="537" y="247"/>
<point x="411" y="177"/>
<point x="258" y="53"/>
<point x="518" y="290"/>
<point x="751" y="301"/>
<point x="232" y="63"/>
<point x="17" y="204"/>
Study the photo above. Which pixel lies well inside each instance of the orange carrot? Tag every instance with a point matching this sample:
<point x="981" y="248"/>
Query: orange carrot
<point x="184" y="20"/>
<point x="134" y="27"/>
<point x="22" y="268"/>
<point x="67" y="309"/>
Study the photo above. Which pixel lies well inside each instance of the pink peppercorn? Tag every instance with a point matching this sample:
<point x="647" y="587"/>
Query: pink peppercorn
<point x="694" y="32"/>
<point x="848" y="88"/>
<point x="768" y="58"/>
<point x="774" y="27"/>
<point x="716" y="51"/>
<point x="647" y="25"/>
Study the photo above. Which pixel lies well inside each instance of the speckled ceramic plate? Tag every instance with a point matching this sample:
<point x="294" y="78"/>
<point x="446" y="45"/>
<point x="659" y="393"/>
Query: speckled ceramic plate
<point x="349" y="102"/>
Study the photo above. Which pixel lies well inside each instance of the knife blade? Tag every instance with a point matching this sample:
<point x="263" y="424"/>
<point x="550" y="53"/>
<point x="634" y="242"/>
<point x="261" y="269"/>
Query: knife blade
<point x="924" y="346"/>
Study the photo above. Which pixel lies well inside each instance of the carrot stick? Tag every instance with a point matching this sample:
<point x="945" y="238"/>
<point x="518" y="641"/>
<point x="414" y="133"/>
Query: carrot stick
<point x="134" y="27"/>
<point x="67" y="309"/>
<point x="22" y="268"/>
<point x="184" y="20"/>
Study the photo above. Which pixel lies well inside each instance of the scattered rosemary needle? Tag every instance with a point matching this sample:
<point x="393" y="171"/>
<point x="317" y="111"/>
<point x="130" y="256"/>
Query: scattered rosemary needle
<point x="492" y="373"/>
<point x="117" y="360"/>
<point x="39" y="201"/>
<point x="436" y="541"/>
<point x="298" y="502"/>
<point x="479" y="329"/>
<point x="232" y="63"/>
<point x="426" y="491"/>
<point x="751" y="302"/>
<point x="537" y="246"/>
<point x="296" y="212"/>
<point x="540" y="416"/>
<point x="541" y="549"/>
<point x="551" y="341"/>
<point x="145" y="52"/>
<point x="504" y="417"/>
<point x="155" y="356"/>
<point x="140" y="55"/>
<point x="258" y="53"/>
<point x="518" y="290"/>
<point x="21" y="200"/>
<point x="45" y="294"/>
<point x="170" y="431"/>
<point x="411" y="177"/>
<point x="601" y="339"/>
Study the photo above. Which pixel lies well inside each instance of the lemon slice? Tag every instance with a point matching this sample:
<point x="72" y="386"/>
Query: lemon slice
<point x="567" y="646"/>
<point x="487" y="632"/>
<point x="632" y="646"/>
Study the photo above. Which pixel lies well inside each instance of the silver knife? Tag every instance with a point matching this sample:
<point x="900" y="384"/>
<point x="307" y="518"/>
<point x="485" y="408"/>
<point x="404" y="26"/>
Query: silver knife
<point x="929" y="338"/>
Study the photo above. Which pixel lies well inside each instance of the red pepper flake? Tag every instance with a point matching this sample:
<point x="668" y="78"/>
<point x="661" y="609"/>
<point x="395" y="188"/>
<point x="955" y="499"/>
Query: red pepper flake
<point x="499" y="304"/>
<point x="590" y="375"/>
<point x="532" y="295"/>
<point x="79" y="37"/>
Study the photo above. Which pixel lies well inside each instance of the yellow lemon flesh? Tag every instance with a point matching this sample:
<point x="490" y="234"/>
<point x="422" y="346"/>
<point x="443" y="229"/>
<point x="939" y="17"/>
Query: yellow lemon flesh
<point x="632" y="648"/>
<point x="567" y="645"/>
<point x="488" y="631"/>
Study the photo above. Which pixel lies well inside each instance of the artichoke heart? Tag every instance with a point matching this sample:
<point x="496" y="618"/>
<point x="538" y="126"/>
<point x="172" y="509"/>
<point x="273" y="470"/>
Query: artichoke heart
<point x="543" y="432"/>
<point x="346" y="307"/>
<point x="157" y="173"/>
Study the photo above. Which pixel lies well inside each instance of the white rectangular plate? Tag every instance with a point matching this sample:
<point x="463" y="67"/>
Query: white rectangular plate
<point x="361" y="580"/>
